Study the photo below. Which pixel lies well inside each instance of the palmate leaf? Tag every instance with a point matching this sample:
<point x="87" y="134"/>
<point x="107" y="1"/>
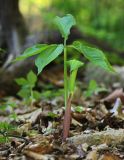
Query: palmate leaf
<point x="64" y="24"/>
<point x="94" y="55"/>
<point x="44" y="58"/>
<point x="46" y="54"/>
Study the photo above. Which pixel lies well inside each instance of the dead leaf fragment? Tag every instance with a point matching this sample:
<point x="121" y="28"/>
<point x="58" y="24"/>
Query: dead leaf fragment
<point x="41" y="149"/>
<point x="37" y="156"/>
<point x="93" y="155"/>
<point x="110" y="156"/>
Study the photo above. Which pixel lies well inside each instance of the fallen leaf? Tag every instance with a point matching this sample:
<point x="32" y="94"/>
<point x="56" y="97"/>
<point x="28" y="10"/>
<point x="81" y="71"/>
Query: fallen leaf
<point x="110" y="156"/>
<point x="93" y="155"/>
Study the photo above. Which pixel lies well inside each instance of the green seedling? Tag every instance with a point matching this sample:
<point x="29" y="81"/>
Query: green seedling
<point x="47" y="53"/>
<point x="93" y="88"/>
<point x="79" y="109"/>
<point x="52" y="115"/>
<point x="5" y="105"/>
<point x="5" y="130"/>
<point x="52" y="93"/>
<point x="27" y="91"/>
<point x="9" y="107"/>
<point x="14" y="116"/>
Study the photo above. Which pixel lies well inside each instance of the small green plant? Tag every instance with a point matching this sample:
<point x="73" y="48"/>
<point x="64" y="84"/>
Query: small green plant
<point x="27" y="91"/>
<point x="52" y="93"/>
<point x="47" y="53"/>
<point x="5" y="130"/>
<point x="93" y="88"/>
<point x="79" y="109"/>
<point x="9" y="106"/>
<point x="52" y="115"/>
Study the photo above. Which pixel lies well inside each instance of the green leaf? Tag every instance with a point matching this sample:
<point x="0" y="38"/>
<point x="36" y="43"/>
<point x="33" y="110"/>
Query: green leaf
<point x="52" y="93"/>
<point x="24" y="93"/>
<point x="94" y="55"/>
<point x="36" y="95"/>
<point x="74" y="64"/>
<point x="13" y="116"/>
<point x="91" y="88"/>
<point x="5" y="126"/>
<point x="4" y="105"/>
<point x="11" y="104"/>
<point x="32" y="78"/>
<point x="52" y="115"/>
<point x="36" y="49"/>
<point x="79" y="109"/>
<point x="3" y="139"/>
<point x="47" y="94"/>
<point x="21" y="81"/>
<point x="64" y="24"/>
<point x="44" y="58"/>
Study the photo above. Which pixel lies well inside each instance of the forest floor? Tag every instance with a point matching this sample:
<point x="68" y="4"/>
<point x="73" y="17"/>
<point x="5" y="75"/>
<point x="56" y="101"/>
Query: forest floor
<point x="34" y="131"/>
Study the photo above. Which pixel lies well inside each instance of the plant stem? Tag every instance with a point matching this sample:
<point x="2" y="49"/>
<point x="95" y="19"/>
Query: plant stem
<point x="67" y="118"/>
<point x="65" y="74"/>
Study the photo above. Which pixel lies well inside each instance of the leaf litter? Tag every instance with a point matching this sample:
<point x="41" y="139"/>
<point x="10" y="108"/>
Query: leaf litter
<point x="97" y="120"/>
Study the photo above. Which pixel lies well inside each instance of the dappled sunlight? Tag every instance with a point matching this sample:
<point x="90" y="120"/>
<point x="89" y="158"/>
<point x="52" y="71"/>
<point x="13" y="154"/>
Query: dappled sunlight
<point x="32" y="11"/>
<point x="32" y="7"/>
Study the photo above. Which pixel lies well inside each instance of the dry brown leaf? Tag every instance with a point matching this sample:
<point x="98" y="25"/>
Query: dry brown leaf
<point x="93" y="155"/>
<point x="41" y="149"/>
<point x="37" y="156"/>
<point x="110" y="156"/>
